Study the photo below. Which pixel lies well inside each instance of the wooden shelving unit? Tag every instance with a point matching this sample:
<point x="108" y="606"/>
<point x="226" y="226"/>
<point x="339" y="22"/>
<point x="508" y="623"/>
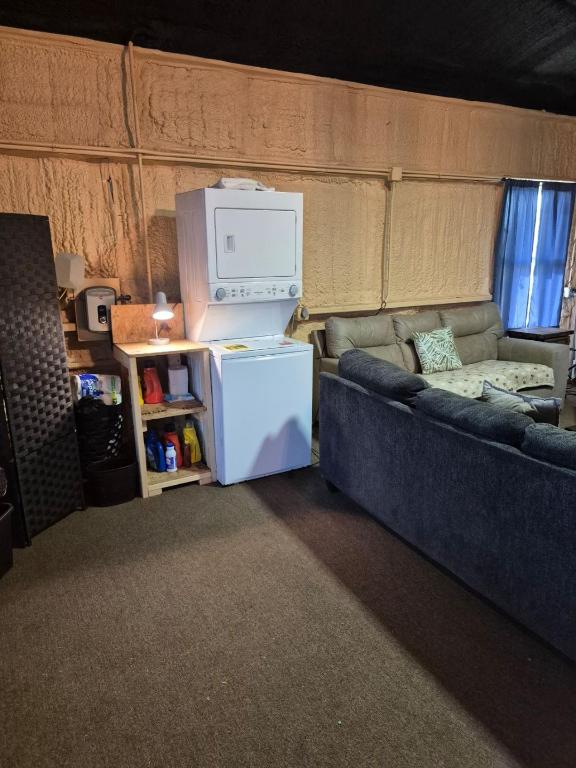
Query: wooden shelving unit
<point x="160" y="480"/>
<point x="165" y="411"/>
<point x="153" y="483"/>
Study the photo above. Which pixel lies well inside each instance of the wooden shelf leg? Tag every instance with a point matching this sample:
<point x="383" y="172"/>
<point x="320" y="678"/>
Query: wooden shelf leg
<point x="208" y="420"/>
<point x="137" y="426"/>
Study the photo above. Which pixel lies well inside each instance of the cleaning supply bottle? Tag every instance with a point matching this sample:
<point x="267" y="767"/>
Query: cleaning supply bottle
<point x="170" y="458"/>
<point x="177" y="376"/>
<point x="192" y="452"/>
<point x="155" y="458"/>
<point x="152" y="387"/>
<point x="171" y="436"/>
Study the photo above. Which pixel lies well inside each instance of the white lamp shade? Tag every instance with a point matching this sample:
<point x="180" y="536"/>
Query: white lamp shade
<point x="162" y="311"/>
<point x="69" y="270"/>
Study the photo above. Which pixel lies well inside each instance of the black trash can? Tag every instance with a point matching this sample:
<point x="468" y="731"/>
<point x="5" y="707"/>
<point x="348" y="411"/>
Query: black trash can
<point x="5" y="538"/>
<point x="99" y="428"/>
<point x="112" y="481"/>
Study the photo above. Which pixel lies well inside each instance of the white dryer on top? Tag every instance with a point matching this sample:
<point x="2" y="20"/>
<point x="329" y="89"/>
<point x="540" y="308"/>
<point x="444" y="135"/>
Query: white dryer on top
<point x="240" y="255"/>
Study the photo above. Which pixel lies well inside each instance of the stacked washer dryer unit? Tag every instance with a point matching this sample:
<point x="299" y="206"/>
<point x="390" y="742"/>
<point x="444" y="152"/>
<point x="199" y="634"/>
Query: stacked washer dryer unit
<point x="240" y="255"/>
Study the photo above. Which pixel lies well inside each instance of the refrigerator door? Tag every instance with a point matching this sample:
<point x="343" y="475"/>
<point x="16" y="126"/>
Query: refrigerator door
<point x="262" y="414"/>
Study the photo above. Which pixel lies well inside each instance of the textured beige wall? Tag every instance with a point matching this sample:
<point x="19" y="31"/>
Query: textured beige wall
<point x="342" y="232"/>
<point x="85" y="216"/>
<point x="63" y="91"/>
<point x="222" y="110"/>
<point x="442" y="238"/>
<point x="334" y="141"/>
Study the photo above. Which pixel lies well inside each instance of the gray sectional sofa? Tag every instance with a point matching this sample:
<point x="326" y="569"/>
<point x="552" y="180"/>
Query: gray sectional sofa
<point x="486" y="493"/>
<point x="535" y="367"/>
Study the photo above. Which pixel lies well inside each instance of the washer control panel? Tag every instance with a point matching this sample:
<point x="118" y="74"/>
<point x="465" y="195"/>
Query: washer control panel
<point x="234" y="293"/>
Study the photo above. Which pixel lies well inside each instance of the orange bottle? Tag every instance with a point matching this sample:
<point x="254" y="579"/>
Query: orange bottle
<point x="152" y="387"/>
<point x="171" y="436"/>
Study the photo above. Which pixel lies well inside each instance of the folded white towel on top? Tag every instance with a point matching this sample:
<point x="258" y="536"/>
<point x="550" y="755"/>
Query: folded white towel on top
<point x="251" y="185"/>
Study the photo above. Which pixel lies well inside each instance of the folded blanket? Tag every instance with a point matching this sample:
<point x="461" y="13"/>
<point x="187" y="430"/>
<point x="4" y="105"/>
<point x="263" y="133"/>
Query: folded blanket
<point x="250" y="185"/>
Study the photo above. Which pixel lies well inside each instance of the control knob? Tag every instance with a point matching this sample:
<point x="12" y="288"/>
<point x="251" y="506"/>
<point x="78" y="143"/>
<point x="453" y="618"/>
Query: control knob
<point x="293" y="290"/>
<point x="220" y="294"/>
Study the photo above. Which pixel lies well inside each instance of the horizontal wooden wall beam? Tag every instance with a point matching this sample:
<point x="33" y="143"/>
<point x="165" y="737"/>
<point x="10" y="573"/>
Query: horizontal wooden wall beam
<point x="429" y="301"/>
<point x="336" y="308"/>
<point x="132" y="154"/>
<point x="62" y="150"/>
<point x="432" y="301"/>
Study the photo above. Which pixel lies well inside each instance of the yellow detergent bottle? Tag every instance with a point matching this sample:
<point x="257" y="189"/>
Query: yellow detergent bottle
<point x="192" y="452"/>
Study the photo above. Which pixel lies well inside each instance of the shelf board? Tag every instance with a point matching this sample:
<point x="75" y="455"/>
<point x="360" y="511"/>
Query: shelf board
<point x="165" y="411"/>
<point x="80" y="366"/>
<point x="69" y="327"/>
<point x="143" y="349"/>
<point x="157" y="480"/>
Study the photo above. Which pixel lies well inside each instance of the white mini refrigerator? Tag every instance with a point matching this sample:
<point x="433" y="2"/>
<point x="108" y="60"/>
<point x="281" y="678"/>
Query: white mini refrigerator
<point x="262" y="402"/>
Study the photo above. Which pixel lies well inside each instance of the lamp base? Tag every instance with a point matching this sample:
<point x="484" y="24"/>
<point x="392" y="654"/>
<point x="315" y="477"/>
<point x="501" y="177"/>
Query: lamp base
<point x="159" y="341"/>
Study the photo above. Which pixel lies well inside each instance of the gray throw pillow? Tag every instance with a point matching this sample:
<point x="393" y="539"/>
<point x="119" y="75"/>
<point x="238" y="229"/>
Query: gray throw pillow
<point x="552" y="444"/>
<point x="544" y="410"/>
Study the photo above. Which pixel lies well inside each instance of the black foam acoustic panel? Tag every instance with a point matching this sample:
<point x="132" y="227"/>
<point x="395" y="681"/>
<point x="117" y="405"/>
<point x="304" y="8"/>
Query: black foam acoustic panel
<point x="39" y="438"/>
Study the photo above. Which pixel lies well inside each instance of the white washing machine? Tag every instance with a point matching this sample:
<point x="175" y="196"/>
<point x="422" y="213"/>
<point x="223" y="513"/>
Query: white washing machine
<point x="240" y="256"/>
<point x="262" y="399"/>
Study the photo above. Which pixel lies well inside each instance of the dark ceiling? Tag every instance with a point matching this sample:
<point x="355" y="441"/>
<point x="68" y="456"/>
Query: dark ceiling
<point x="520" y="52"/>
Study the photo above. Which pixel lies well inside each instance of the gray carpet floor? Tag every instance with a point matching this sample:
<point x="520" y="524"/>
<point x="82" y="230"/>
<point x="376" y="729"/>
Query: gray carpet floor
<point x="262" y="625"/>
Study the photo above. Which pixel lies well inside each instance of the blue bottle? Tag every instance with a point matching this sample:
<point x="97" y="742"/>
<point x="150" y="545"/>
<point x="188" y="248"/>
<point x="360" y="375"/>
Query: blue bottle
<point x="154" y="451"/>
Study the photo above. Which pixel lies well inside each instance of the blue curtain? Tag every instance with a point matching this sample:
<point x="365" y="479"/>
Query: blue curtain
<point x="556" y="211"/>
<point x="514" y="251"/>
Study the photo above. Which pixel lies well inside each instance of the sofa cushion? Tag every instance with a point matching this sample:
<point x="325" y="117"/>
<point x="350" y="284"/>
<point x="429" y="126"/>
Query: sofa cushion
<point x="469" y="321"/>
<point x="476" y="331"/>
<point x="506" y="374"/>
<point x="552" y="444"/>
<point x="479" y="418"/>
<point x="343" y="333"/>
<point x="544" y="410"/>
<point x="380" y="376"/>
<point x="478" y="347"/>
<point x="409" y="357"/>
<point x="406" y="325"/>
<point x="436" y="350"/>
<point x="391" y="353"/>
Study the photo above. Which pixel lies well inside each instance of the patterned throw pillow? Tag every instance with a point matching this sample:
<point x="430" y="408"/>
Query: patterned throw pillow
<point x="436" y="351"/>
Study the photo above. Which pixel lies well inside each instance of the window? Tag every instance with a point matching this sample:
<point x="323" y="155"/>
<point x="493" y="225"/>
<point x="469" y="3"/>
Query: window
<point x="531" y="250"/>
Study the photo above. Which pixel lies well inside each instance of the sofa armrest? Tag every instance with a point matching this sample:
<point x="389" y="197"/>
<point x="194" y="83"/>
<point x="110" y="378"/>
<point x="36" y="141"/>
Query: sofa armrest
<point x="318" y="341"/>
<point x="321" y="365"/>
<point x="329" y="365"/>
<point x="555" y="356"/>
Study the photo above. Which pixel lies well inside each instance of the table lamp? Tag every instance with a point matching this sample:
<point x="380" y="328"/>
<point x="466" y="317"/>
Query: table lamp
<point x="161" y="312"/>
